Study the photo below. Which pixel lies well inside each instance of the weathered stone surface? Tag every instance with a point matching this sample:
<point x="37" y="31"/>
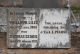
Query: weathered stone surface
<point x="75" y="47"/>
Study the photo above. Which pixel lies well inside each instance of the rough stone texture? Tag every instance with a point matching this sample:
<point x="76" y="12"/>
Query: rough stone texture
<point x="32" y="3"/>
<point x="75" y="47"/>
<point x="75" y="2"/>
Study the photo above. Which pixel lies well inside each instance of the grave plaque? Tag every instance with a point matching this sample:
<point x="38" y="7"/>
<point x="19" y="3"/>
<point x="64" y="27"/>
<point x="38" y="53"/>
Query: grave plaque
<point x="38" y="28"/>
